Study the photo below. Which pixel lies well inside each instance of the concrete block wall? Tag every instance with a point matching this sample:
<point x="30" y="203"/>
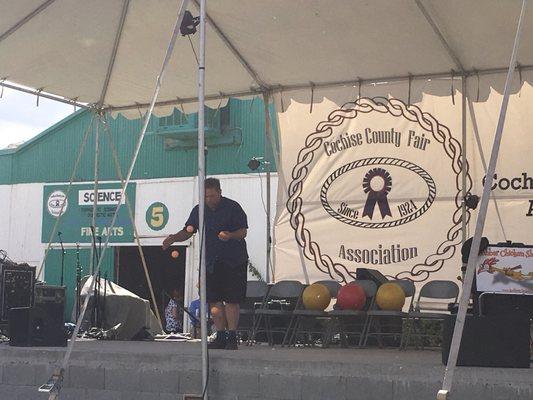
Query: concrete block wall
<point x="166" y="376"/>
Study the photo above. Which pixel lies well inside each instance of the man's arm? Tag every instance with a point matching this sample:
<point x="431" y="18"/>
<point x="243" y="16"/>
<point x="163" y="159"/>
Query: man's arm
<point x="239" y="234"/>
<point x="181" y="236"/>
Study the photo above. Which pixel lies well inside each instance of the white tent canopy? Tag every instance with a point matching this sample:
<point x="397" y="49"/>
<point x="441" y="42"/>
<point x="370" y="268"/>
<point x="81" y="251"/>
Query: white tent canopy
<point x="106" y="53"/>
<point x="109" y="52"/>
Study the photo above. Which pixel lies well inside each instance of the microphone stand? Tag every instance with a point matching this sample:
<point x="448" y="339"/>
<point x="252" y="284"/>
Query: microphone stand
<point x="62" y="258"/>
<point x="103" y="301"/>
<point x="98" y="284"/>
<point x="94" y="316"/>
<point x="78" y="281"/>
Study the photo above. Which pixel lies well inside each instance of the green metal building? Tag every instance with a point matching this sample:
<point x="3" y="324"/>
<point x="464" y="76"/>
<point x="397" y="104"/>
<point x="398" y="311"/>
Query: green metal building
<point x="234" y="135"/>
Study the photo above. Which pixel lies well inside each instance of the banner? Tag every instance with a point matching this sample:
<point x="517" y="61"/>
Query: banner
<point x="506" y="270"/>
<point x="374" y="183"/>
<point x="374" y="180"/>
<point x="77" y="213"/>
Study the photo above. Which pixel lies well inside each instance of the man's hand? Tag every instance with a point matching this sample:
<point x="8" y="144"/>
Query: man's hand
<point x="225" y="236"/>
<point x="168" y="241"/>
<point x="236" y="235"/>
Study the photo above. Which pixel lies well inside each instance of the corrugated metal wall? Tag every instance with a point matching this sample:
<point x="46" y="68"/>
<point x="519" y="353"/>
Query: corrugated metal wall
<point x="50" y="157"/>
<point x="5" y="166"/>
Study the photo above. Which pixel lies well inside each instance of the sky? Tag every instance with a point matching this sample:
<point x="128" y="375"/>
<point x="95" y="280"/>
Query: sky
<point x="21" y="119"/>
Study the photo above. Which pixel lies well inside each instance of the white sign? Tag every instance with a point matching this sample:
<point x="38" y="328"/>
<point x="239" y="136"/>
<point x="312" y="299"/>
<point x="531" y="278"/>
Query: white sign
<point x="55" y="203"/>
<point x="105" y="197"/>
<point x="506" y="270"/>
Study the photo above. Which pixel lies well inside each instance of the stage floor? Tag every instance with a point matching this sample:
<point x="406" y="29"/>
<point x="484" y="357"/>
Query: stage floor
<point x="167" y="370"/>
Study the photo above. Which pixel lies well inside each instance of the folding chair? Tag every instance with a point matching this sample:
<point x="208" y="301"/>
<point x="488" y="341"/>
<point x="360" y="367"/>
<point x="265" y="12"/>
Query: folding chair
<point x="277" y="311"/>
<point x="309" y="323"/>
<point x="427" y="309"/>
<point x="352" y="323"/>
<point x="256" y="292"/>
<point x="383" y="323"/>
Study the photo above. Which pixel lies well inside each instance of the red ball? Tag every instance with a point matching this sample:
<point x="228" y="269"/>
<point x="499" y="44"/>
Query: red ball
<point x="175" y="254"/>
<point x="351" y="297"/>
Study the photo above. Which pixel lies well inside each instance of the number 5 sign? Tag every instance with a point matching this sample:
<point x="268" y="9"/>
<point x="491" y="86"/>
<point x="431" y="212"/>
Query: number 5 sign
<point x="157" y="216"/>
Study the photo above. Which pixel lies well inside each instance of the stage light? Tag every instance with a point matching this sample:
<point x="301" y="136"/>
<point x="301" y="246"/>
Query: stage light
<point x="253" y="164"/>
<point x="189" y="24"/>
<point x="471" y="201"/>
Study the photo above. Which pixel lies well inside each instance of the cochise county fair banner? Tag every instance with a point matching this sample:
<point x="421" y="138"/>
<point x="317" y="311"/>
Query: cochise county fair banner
<point x="376" y="182"/>
<point x="77" y="213"/>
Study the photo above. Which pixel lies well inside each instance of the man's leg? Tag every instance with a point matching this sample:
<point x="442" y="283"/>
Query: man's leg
<point x="216" y="306"/>
<point x="232" y="315"/>
<point x="218" y="314"/>
<point x="232" y="318"/>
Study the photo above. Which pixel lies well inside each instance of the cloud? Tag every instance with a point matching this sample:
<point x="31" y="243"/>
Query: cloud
<point x="16" y="132"/>
<point x="21" y="119"/>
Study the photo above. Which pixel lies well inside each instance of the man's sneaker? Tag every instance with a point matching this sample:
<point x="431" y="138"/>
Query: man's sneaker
<point x="231" y="341"/>
<point x="219" y="342"/>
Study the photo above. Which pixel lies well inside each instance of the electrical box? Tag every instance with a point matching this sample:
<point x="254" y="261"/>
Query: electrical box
<point x="180" y="131"/>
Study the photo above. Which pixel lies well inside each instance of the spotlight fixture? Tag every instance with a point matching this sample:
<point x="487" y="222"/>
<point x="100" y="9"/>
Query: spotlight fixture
<point x="471" y="201"/>
<point x="189" y="24"/>
<point x="253" y="164"/>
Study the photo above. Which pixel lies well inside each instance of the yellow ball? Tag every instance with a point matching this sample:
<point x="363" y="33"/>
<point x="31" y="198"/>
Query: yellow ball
<point x="316" y="297"/>
<point x="390" y="297"/>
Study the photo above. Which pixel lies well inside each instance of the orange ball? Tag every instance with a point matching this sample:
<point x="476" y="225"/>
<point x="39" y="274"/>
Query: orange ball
<point x="390" y="297"/>
<point x="175" y="254"/>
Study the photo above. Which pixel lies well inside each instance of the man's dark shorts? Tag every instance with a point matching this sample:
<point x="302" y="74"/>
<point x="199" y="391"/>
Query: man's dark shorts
<point x="227" y="283"/>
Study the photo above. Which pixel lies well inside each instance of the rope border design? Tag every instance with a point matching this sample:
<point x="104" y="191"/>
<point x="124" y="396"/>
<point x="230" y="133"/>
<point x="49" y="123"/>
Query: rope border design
<point x="311" y="250"/>
<point x="379" y="161"/>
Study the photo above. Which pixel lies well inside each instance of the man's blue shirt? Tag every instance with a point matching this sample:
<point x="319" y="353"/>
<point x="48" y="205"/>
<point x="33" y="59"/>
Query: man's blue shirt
<point x="228" y="216"/>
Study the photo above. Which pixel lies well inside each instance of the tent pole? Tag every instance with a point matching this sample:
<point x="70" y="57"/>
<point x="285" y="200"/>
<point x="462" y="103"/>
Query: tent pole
<point x="484" y="162"/>
<point x="58" y="375"/>
<point x="132" y="219"/>
<point x="463" y="157"/>
<point x="201" y="195"/>
<point x="268" y="134"/>
<point x="95" y="200"/>
<point x="33" y="92"/>
<point x="473" y="257"/>
<point x="323" y="85"/>
<point x="281" y="179"/>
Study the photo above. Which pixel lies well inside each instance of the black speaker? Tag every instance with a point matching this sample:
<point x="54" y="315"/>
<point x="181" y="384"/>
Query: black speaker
<point x="43" y="324"/>
<point x="497" y="341"/>
<point x="16" y="287"/>
<point x="504" y="304"/>
<point x="372" y="275"/>
<point x="19" y="326"/>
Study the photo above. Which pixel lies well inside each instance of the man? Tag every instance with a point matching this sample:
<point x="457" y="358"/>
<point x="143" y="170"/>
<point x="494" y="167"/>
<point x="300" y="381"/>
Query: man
<point x="226" y="260"/>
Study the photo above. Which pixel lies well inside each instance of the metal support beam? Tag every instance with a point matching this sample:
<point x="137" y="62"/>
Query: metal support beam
<point x="26" y="19"/>
<point x="463" y="158"/>
<point x="480" y="224"/>
<point x="95" y="201"/>
<point x="114" y="52"/>
<point x="484" y="163"/>
<point x="283" y="183"/>
<point x="440" y="35"/>
<point x="18" y="88"/>
<point x="260" y="82"/>
<point x="352" y="82"/>
<point x="201" y="198"/>
<point x="268" y="140"/>
<point x="127" y="179"/>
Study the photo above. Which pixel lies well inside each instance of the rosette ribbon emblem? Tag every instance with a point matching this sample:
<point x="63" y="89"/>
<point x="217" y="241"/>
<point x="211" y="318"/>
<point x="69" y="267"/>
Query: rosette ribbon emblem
<point x="377" y="183"/>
